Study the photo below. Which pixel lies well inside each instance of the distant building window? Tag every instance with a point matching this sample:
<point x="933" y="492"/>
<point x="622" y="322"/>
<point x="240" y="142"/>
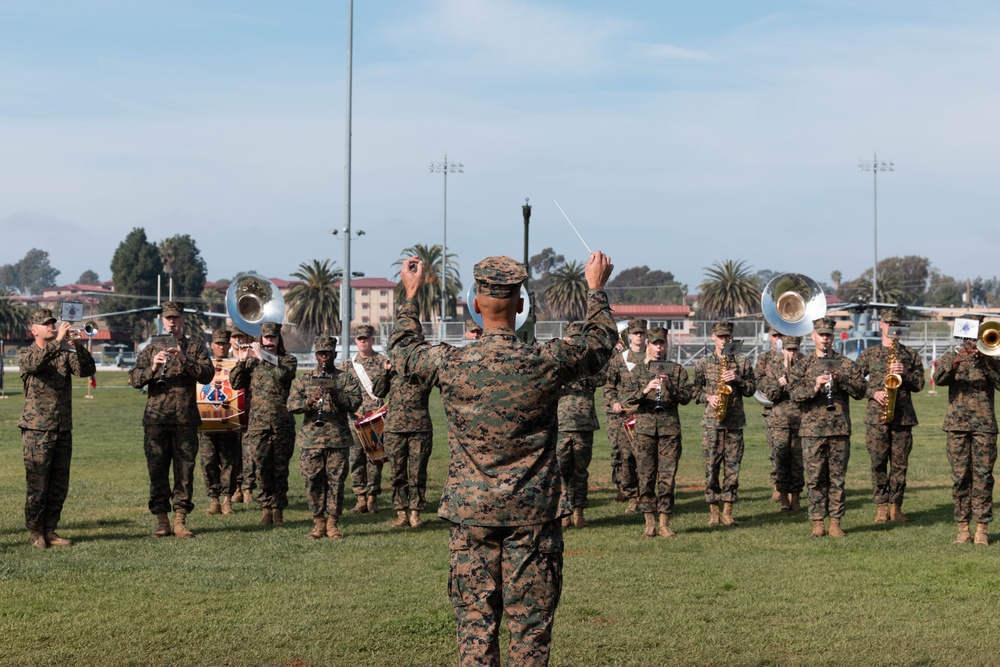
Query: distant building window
<point x="383" y="306"/>
<point x="364" y="306"/>
<point x="365" y="320"/>
<point x="383" y="293"/>
<point x="364" y="292"/>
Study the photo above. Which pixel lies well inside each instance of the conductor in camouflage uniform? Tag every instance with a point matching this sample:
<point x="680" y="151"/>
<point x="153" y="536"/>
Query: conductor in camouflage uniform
<point x="46" y="423"/>
<point x="575" y="442"/>
<point x="822" y="384"/>
<point x="656" y="396"/>
<point x="369" y="368"/>
<point x="889" y="443"/>
<point x="220" y="451"/>
<point x="327" y="399"/>
<point x="268" y="371"/>
<point x="503" y="495"/>
<point x="722" y="440"/>
<point x="764" y="361"/>
<point x="623" y="461"/>
<point x="783" y="422"/>
<point x="171" y="420"/>
<point x="408" y="436"/>
<point x="971" y="426"/>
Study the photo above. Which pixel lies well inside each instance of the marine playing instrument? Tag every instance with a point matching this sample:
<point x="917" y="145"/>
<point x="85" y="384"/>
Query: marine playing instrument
<point x="893" y="381"/>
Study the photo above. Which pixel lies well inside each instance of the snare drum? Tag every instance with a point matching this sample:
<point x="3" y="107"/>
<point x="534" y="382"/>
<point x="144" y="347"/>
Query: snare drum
<point x="220" y="406"/>
<point x="369" y="429"/>
<point x="629" y="425"/>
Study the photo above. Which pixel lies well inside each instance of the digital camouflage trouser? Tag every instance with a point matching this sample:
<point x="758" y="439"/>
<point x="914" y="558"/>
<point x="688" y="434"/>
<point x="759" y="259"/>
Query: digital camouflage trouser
<point x="512" y="570"/>
<point x="220" y="454"/>
<point x="889" y="448"/>
<point x="47" y="456"/>
<point x="657" y="458"/>
<point x="272" y="450"/>
<point x="826" y="469"/>
<point x="628" y="470"/>
<point x="325" y="471"/>
<point x="786" y="450"/>
<point x="366" y="477"/>
<point x="723" y="451"/>
<point x="575" y="449"/>
<point x="408" y="455"/>
<point x="166" y="446"/>
<point x="972" y="457"/>
<point x="248" y="471"/>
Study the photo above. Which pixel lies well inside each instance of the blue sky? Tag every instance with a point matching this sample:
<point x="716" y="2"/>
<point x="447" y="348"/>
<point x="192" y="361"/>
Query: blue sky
<point x="674" y="134"/>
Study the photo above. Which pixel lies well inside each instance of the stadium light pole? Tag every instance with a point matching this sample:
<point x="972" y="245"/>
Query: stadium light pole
<point x="345" y="283"/>
<point x="444" y="167"/>
<point x="875" y="166"/>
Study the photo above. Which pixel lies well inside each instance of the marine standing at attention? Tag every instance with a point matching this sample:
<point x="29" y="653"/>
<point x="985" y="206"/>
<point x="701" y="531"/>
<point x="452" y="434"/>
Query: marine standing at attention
<point x="503" y="495"/>
<point x="623" y="460"/>
<point x="369" y="367"/>
<point x="46" y="423"/>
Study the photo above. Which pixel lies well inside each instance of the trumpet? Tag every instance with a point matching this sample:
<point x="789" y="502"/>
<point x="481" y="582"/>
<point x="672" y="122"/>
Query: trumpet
<point x="89" y="330"/>
<point x="988" y="339"/>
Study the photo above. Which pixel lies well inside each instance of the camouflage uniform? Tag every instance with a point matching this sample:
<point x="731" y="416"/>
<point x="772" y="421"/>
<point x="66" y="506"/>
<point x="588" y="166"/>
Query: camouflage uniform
<point x="246" y="477"/>
<point x="657" y="434"/>
<point x="622" y="364"/>
<point x="323" y="450"/>
<point x="577" y="423"/>
<point x="972" y="431"/>
<point x="782" y="422"/>
<point x="46" y="424"/>
<point x="409" y="435"/>
<point x="503" y="495"/>
<point x="366" y="477"/>
<point x="220" y="452"/>
<point x="826" y="434"/>
<point x="765" y="361"/>
<point x="892" y="442"/>
<point x="722" y="442"/>
<point x="271" y="431"/>
<point x="171" y="421"/>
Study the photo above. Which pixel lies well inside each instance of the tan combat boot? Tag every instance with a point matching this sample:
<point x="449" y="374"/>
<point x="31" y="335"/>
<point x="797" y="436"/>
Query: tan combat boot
<point x="835" y="529"/>
<point x="214" y="507"/>
<point x="401" y="520"/>
<point x="776" y="496"/>
<point x="373" y="504"/>
<point x="162" y="525"/>
<point x="981" y="539"/>
<point x="180" y="525"/>
<point x="650" y="530"/>
<point x="633" y="506"/>
<point x="227" y="505"/>
<point x="266" y="518"/>
<point x="361" y="507"/>
<point x="819" y="530"/>
<point x="963" y="533"/>
<point x="54" y="540"/>
<point x="332" y="531"/>
<point x="278" y="516"/>
<point x="794" y="503"/>
<point x="415" y="520"/>
<point x="578" y="520"/>
<point x="881" y="513"/>
<point x="713" y="514"/>
<point x="37" y="540"/>
<point x="786" y="503"/>
<point x="896" y="513"/>
<point x="319" y="528"/>
<point x="664" y="527"/>
<point x="247" y="497"/>
<point x="567" y="521"/>
<point x="727" y="515"/>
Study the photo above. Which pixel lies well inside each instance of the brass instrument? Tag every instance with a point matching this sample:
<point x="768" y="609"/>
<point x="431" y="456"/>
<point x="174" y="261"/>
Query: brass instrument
<point x="252" y="299"/>
<point x="893" y="381"/>
<point x="322" y="382"/>
<point x="89" y="330"/>
<point x="988" y="339"/>
<point x="659" y="368"/>
<point x="522" y="314"/>
<point x="722" y="390"/>
<point x="791" y="302"/>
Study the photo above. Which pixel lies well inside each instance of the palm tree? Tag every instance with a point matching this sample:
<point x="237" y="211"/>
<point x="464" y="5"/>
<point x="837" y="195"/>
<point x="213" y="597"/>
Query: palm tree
<point x="567" y="293"/>
<point x="13" y="316"/>
<point x="315" y="304"/>
<point x="729" y="289"/>
<point x="430" y="292"/>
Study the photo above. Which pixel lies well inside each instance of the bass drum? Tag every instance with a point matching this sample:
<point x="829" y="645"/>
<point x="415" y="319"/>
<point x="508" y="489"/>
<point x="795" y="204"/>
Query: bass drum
<point x="221" y="407"/>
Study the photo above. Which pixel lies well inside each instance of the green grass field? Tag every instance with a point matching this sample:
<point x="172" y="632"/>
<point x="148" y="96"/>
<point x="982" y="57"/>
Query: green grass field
<point x="759" y="594"/>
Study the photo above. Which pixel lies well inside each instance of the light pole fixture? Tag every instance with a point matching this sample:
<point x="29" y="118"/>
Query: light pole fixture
<point x="443" y="168"/>
<point x="875" y="166"/>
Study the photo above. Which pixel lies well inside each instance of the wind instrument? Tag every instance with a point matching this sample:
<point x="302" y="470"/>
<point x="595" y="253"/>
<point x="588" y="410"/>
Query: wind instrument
<point x="828" y="356"/>
<point x="791" y="302"/>
<point x="722" y="390"/>
<point x="988" y="339"/>
<point x="319" y="421"/>
<point x="893" y="381"/>
<point x="89" y="330"/>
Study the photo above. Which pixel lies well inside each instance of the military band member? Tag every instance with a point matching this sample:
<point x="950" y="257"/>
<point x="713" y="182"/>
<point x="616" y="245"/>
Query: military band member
<point x="770" y="357"/>
<point x="408" y="436"/>
<point x="575" y="442"/>
<point x="271" y="430"/>
<point x="621" y="365"/>
<point x="722" y="440"/>
<point x="369" y="367"/>
<point x="46" y="423"/>
<point x="220" y="451"/>
<point x="783" y="425"/>
<point x="327" y="398"/>
<point x="472" y="330"/>
<point x="971" y="426"/>
<point x="822" y="384"/>
<point x="503" y="495"/>
<point x="889" y="444"/>
<point x="171" y="420"/>
<point x="656" y="396"/>
<point x="246" y="480"/>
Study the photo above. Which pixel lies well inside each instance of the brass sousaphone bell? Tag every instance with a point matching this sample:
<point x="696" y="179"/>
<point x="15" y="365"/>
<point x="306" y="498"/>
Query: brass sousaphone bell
<point x="791" y="301"/>
<point x="519" y="321"/>
<point x="988" y="339"/>
<point x="252" y="299"/>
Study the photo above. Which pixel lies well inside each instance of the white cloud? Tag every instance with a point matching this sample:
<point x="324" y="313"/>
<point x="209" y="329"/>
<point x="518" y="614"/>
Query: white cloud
<point x="669" y="51"/>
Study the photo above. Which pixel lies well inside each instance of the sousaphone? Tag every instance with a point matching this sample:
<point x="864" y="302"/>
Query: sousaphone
<point x="253" y="299"/>
<point x="791" y="301"/>
<point x="519" y="321"/>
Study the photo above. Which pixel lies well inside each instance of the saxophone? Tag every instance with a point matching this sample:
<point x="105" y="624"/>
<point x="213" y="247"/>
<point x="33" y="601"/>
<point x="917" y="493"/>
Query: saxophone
<point x="722" y="390"/>
<point x="892" y="383"/>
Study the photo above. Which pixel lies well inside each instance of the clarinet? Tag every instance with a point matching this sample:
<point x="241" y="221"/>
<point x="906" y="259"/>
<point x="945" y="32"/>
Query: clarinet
<point x="830" y="407"/>
<point x="319" y="410"/>
<point x="658" y="408"/>
<point x="161" y="379"/>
